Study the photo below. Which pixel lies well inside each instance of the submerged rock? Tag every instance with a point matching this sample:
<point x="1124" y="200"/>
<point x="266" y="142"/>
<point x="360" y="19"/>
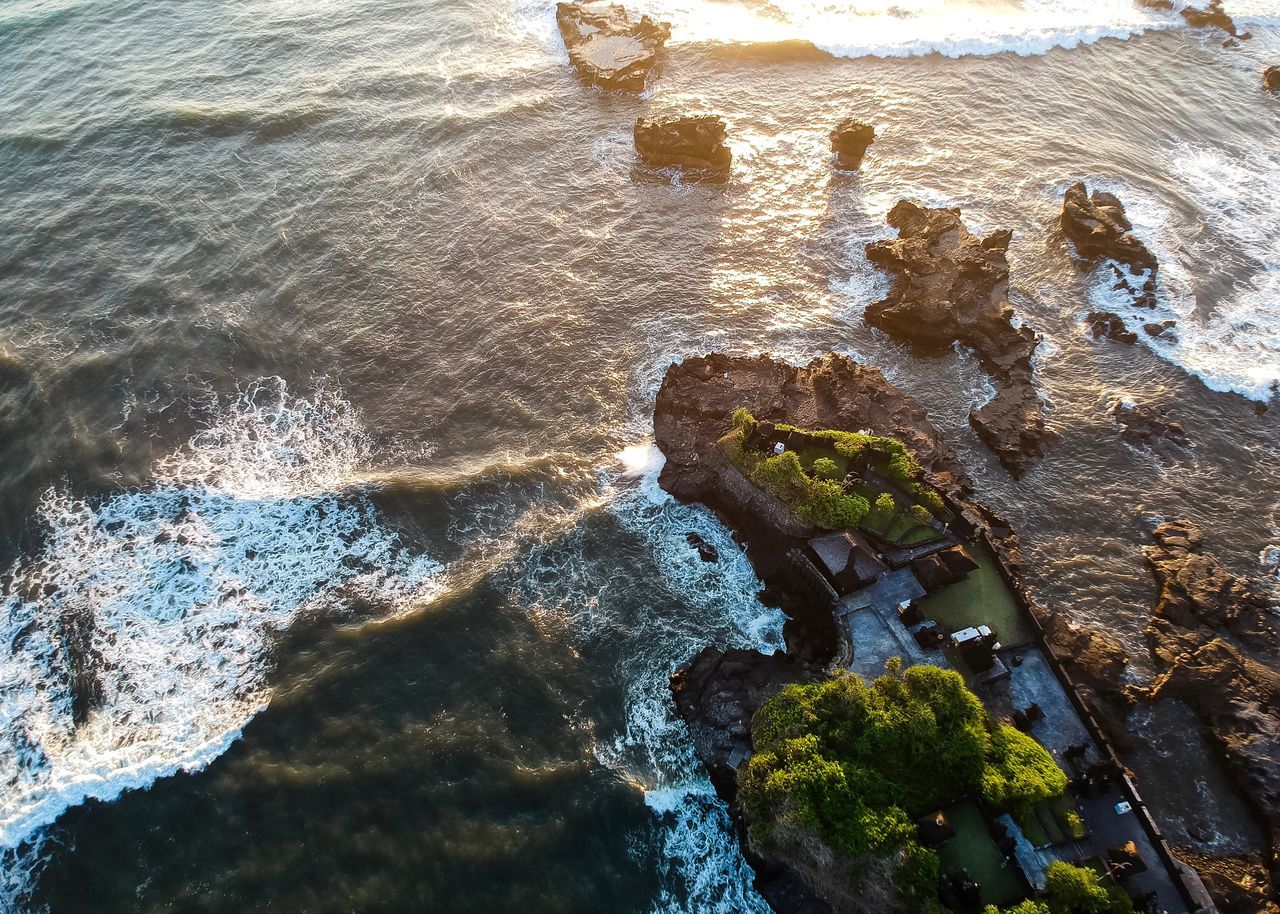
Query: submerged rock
<point x="692" y="142"/>
<point x="1146" y="426"/>
<point x="1096" y="223"/>
<point x="706" y="551"/>
<point x="950" y="286"/>
<point x="849" y="141"/>
<point x="607" y="47"/>
<point x="1217" y="639"/>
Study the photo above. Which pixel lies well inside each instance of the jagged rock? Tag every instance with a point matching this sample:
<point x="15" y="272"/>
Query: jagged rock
<point x="608" y="48"/>
<point x="849" y="141"/>
<point x="693" y="142"/>
<point x="706" y="551"/>
<point x="1147" y="426"/>
<point x="1217" y="639"/>
<point x="1105" y="323"/>
<point x="1162" y="331"/>
<point x="1271" y="78"/>
<point x="950" y="286"/>
<point x="1097" y="224"/>
<point x="1211" y="15"/>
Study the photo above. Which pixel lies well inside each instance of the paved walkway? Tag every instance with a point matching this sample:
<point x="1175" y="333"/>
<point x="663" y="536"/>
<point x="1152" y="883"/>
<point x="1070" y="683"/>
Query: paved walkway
<point x="871" y="617"/>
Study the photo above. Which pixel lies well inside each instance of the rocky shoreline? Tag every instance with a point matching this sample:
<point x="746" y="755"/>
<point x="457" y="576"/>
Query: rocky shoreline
<point x="718" y="692"/>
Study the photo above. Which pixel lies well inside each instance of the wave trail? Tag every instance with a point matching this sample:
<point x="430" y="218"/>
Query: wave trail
<point x="137" y="642"/>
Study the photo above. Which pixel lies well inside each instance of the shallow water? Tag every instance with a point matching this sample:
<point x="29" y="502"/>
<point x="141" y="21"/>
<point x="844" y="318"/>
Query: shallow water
<point x="331" y="337"/>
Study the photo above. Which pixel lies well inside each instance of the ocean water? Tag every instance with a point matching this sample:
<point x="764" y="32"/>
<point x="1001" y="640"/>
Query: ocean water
<point x="329" y="338"/>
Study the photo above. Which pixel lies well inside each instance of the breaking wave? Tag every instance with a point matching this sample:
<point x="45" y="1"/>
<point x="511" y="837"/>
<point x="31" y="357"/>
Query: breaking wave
<point x="700" y="860"/>
<point x="901" y="28"/>
<point x="168" y="598"/>
<point x="1230" y="337"/>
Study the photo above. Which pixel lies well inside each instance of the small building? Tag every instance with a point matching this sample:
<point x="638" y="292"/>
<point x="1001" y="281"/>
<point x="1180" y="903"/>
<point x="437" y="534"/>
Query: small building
<point x="846" y="560"/>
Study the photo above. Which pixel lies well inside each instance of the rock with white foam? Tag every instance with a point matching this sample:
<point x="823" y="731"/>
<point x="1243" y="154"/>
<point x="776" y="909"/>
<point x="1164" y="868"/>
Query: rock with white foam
<point x="608" y="48"/>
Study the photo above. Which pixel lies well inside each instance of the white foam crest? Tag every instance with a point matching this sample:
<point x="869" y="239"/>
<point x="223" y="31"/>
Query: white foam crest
<point x="183" y="585"/>
<point x="1232" y="344"/>
<point x="901" y="28"/>
<point x="695" y="836"/>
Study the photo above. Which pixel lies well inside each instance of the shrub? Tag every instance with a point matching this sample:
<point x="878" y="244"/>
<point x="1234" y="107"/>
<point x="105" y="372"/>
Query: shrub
<point x="885" y="505"/>
<point x="921" y="514"/>
<point x="849" y="765"/>
<point x="1027" y="906"/>
<point x="825" y="468"/>
<point x="1077" y="890"/>
<point x="743" y="421"/>
<point x="1072" y="824"/>
<point x="826" y="505"/>
<point x="1021" y="773"/>
<point x="929" y="496"/>
<point x="783" y="474"/>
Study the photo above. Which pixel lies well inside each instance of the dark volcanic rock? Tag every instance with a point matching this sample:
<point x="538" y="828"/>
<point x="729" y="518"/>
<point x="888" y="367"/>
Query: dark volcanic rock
<point x="1219" y="644"/>
<point x="606" y="47"/>
<point x="694" y="142"/>
<point x="1147" y="426"/>
<point x="1104" y="323"/>
<point x="1098" y="226"/>
<point x="1271" y="78"/>
<point x="1211" y="15"/>
<point x="951" y="286"/>
<point x="849" y="141"/>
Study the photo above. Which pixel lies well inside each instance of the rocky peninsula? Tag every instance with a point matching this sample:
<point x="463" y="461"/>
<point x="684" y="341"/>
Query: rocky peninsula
<point x="1210" y="633"/>
<point x="952" y="287"/>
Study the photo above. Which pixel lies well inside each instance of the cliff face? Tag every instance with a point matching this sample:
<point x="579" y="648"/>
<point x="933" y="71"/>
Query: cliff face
<point x="1218" y="641"/>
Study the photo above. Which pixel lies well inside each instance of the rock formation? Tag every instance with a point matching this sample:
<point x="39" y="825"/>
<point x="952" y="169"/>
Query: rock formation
<point x="1098" y="227"/>
<point x="1210" y="15"/>
<point x="1096" y="223"/>
<point x="694" y="142"/>
<point x="1271" y="78"/>
<point x="1146" y="426"/>
<point x="1218" y="642"/>
<point x="608" y="48"/>
<point x="1105" y="323"/>
<point x="950" y="286"/>
<point x="849" y="141"/>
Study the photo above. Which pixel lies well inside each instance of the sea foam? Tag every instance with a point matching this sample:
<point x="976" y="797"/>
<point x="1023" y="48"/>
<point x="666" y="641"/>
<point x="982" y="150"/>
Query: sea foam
<point x="186" y="581"/>
<point x="1232" y="342"/>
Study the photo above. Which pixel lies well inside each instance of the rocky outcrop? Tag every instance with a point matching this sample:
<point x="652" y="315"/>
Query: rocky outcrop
<point x="849" y="141"/>
<point x="1112" y="326"/>
<point x="694" y="143"/>
<point x="1098" y="227"/>
<point x="1096" y="223"/>
<point x="1144" y="426"/>
<point x="1211" y="15"/>
<point x="607" y="47"/>
<point x="1218" y="642"/>
<point x="950" y="286"/>
<point x="1271" y="78"/>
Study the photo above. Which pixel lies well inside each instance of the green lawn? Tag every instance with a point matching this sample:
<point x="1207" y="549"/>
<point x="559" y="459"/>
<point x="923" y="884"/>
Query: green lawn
<point x="982" y="598"/>
<point x="974" y="850"/>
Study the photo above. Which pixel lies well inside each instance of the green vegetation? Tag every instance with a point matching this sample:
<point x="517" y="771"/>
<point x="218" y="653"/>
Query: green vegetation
<point x="810" y="481"/>
<point x="1072" y="890"/>
<point x="849" y="765"/>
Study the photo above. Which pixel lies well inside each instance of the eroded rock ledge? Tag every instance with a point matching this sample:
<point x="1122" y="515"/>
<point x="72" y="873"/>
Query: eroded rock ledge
<point x="1218" y="641"/>
<point x="689" y="142"/>
<point x="950" y="286"/>
<point x="607" y="47"/>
